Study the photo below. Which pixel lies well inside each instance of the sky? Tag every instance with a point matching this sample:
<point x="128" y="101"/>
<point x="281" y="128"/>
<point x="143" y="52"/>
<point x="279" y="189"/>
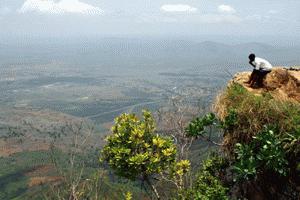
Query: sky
<point x="255" y="18"/>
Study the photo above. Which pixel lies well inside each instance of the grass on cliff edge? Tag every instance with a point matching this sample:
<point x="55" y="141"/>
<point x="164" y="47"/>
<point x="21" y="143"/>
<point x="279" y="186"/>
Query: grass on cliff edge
<point x="254" y="112"/>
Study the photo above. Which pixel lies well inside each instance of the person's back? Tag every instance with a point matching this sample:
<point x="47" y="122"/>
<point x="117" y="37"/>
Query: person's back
<point x="262" y="64"/>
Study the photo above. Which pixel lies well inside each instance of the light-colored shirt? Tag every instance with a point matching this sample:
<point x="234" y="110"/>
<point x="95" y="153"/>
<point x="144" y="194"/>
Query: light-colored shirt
<point x="262" y="64"/>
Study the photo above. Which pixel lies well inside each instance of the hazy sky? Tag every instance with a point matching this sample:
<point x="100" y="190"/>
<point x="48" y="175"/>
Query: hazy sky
<point x="150" y="17"/>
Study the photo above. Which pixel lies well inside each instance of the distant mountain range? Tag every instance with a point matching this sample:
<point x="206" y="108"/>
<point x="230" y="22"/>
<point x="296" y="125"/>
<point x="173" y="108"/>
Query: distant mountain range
<point x="130" y="53"/>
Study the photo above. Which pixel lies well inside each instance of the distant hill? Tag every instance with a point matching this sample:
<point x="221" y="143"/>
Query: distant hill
<point x="139" y="53"/>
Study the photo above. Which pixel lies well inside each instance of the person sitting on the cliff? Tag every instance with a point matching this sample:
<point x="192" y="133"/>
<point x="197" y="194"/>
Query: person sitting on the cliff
<point x="261" y="68"/>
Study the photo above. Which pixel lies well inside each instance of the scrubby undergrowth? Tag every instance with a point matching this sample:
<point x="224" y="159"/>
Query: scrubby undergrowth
<point x="253" y="112"/>
<point x="261" y="140"/>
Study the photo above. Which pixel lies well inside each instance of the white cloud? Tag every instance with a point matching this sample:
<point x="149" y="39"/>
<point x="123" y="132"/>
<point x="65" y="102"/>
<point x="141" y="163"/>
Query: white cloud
<point x="59" y="7"/>
<point x="177" y="8"/>
<point x="226" y="9"/>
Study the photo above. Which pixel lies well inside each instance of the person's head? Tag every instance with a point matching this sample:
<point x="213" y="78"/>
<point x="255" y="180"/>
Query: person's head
<point x="251" y="57"/>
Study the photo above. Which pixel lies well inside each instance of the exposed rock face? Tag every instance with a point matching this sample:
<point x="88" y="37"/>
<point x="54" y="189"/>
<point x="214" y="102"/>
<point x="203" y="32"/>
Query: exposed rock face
<point x="281" y="83"/>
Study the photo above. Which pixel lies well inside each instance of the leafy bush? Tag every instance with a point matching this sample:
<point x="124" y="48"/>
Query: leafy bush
<point x="180" y="168"/>
<point x="246" y="164"/>
<point x="206" y="185"/>
<point x="230" y="120"/>
<point x="197" y="126"/>
<point x="134" y="150"/>
<point x="265" y="152"/>
<point x="271" y="152"/>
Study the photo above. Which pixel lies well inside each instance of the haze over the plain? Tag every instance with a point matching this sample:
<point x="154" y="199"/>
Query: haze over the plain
<point x="240" y="21"/>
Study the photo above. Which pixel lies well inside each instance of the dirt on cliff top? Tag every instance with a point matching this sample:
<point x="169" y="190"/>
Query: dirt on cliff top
<point x="281" y="83"/>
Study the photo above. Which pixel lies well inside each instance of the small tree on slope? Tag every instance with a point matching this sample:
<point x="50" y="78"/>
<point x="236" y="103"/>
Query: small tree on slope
<point x="135" y="152"/>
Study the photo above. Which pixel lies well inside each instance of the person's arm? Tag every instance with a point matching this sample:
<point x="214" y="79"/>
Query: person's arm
<point x="251" y="63"/>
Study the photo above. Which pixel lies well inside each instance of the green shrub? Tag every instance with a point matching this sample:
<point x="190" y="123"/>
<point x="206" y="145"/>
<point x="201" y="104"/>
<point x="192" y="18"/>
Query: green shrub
<point x="246" y="164"/>
<point x="197" y="126"/>
<point x="265" y="152"/>
<point x="230" y="120"/>
<point x="134" y="150"/>
<point x="207" y="185"/>
<point x="214" y="164"/>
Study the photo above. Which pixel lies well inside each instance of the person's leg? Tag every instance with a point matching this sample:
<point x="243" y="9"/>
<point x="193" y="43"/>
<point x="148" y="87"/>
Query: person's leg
<point x="260" y="79"/>
<point x="252" y="76"/>
<point x="262" y="76"/>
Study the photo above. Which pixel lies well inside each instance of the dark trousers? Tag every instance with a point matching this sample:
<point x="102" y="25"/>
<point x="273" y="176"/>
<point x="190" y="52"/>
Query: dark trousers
<point x="257" y="77"/>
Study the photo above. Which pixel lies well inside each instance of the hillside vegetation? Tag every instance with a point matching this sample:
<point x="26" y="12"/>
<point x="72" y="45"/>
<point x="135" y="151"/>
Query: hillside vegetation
<point x="262" y="135"/>
<point x="258" y="158"/>
<point x="248" y="147"/>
